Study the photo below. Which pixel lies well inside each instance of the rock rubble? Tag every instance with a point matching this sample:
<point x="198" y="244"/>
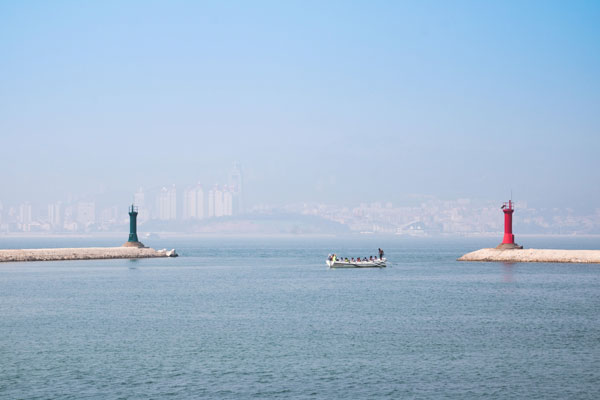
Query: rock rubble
<point x="89" y="253"/>
<point x="534" y="255"/>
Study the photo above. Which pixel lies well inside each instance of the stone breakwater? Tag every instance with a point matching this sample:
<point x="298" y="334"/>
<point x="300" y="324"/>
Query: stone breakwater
<point x="89" y="253"/>
<point x="534" y="255"/>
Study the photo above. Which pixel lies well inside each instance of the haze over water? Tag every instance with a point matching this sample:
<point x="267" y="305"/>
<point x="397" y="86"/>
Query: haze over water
<point x="334" y="102"/>
<point x="250" y="318"/>
<point x="323" y="103"/>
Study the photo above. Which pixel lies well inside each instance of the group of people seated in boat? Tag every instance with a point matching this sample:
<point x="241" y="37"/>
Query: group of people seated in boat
<point x="335" y="257"/>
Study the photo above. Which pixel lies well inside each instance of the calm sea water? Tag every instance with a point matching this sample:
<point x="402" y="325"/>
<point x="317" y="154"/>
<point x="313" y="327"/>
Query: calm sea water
<point x="265" y="318"/>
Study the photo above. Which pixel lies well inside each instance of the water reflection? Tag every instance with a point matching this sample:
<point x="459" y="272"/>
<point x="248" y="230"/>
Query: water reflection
<point x="508" y="271"/>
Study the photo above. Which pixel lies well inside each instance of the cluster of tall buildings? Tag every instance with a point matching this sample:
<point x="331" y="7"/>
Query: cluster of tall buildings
<point x="21" y="217"/>
<point x="59" y="216"/>
<point x="166" y="203"/>
<point x="193" y="202"/>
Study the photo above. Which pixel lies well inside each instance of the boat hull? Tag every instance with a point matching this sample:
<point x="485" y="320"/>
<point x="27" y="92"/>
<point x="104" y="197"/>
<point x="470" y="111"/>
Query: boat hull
<point x="360" y="264"/>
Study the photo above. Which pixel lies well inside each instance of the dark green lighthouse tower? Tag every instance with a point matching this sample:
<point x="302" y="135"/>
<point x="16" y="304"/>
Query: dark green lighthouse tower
<point x="133" y="238"/>
<point x="133" y="212"/>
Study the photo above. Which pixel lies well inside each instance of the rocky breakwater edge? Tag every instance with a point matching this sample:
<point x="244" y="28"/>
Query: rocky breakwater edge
<point x="87" y="253"/>
<point x="534" y="255"/>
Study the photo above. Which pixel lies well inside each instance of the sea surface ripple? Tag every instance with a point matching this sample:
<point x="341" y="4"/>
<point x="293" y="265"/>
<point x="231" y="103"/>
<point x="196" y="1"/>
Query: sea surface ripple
<point x="265" y="318"/>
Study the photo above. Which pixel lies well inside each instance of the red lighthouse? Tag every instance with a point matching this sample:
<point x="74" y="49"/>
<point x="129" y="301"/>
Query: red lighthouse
<point x="509" y="239"/>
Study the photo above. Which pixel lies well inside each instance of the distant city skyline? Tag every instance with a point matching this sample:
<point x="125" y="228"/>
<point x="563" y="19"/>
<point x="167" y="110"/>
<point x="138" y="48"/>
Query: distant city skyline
<point x="191" y="210"/>
<point x="328" y="102"/>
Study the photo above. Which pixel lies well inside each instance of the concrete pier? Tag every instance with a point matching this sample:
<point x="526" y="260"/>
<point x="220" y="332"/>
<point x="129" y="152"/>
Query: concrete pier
<point x="89" y="253"/>
<point x="534" y="255"/>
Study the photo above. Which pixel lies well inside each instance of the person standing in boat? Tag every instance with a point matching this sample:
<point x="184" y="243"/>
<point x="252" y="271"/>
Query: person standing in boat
<point x="380" y="254"/>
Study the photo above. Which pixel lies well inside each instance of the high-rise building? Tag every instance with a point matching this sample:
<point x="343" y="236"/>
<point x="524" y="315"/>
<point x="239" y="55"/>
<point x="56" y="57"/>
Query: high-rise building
<point x="220" y="201"/>
<point x="227" y="202"/>
<point x="211" y="203"/>
<point x="25" y="213"/>
<point x="167" y="203"/>
<point x="199" y="202"/>
<point x="163" y="204"/>
<point x="236" y="185"/>
<point x="189" y="203"/>
<point x="173" y="202"/>
<point x="193" y="202"/>
<point x="219" y="206"/>
<point x="54" y="215"/>
<point x="51" y="216"/>
<point x="25" y="216"/>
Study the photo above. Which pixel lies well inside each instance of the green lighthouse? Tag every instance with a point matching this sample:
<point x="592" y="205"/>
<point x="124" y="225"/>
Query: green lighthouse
<point x="133" y="212"/>
<point x="133" y="238"/>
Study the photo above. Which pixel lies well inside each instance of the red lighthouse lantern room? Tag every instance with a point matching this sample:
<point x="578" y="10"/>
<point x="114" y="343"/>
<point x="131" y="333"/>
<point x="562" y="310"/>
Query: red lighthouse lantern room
<point x="508" y="242"/>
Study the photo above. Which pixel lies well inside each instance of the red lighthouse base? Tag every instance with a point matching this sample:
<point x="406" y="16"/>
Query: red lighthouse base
<point x="508" y="242"/>
<point x="508" y="246"/>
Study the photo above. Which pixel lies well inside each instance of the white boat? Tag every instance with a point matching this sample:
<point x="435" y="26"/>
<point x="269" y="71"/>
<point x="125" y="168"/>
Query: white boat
<point x="375" y="263"/>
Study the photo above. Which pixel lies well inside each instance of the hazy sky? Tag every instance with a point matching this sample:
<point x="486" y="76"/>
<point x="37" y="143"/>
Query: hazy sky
<point x="332" y="101"/>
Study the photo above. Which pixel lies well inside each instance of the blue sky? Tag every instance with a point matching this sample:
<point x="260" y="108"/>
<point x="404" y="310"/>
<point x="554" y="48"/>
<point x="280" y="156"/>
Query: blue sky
<point x="328" y="101"/>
